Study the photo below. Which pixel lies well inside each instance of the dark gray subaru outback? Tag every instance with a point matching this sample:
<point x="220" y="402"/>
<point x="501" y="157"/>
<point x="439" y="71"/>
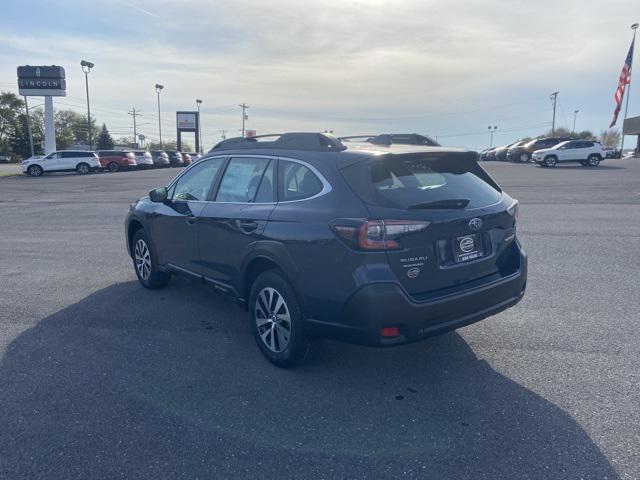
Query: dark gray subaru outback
<point x="320" y="238"/>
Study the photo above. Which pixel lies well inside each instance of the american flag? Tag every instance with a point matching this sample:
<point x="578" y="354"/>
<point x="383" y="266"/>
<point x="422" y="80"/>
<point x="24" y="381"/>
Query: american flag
<point x="625" y="79"/>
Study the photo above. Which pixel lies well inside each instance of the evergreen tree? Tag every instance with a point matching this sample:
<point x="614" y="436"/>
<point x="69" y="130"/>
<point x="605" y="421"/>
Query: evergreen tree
<point x="19" y="139"/>
<point x="104" y="140"/>
<point x="11" y="107"/>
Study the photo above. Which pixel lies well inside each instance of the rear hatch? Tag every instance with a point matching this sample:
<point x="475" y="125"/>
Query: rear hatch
<point x="448" y="224"/>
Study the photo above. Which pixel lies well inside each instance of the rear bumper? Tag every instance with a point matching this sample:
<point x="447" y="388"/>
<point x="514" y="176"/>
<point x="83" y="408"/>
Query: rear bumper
<point x="379" y="305"/>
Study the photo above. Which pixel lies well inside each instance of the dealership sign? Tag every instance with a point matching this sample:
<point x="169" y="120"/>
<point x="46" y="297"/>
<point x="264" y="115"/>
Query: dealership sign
<point x="42" y="81"/>
<point x="187" y="121"/>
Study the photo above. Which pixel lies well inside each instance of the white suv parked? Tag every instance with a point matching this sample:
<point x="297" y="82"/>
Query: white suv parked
<point x="62" y="161"/>
<point x="586" y="152"/>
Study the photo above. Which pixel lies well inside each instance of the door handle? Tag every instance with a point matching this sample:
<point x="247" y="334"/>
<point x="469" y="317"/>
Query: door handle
<point x="248" y="226"/>
<point x="191" y="220"/>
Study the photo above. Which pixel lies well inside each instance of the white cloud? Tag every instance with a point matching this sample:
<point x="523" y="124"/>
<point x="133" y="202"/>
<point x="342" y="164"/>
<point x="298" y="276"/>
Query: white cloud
<point x="361" y="65"/>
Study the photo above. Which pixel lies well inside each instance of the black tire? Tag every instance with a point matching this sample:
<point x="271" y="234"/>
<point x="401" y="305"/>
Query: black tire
<point x="593" y="160"/>
<point x="113" y="167"/>
<point x="35" y="170"/>
<point x="550" y="161"/>
<point x="150" y="277"/>
<point x="271" y="334"/>
<point x="83" y="168"/>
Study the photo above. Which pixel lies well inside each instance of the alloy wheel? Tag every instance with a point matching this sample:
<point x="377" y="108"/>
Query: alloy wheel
<point x="273" y="319"/>
<point x="524" y="158"/>
<point x="142" y="259"/>
<point x="34" y="170"/>
<point x="83" y="168"/>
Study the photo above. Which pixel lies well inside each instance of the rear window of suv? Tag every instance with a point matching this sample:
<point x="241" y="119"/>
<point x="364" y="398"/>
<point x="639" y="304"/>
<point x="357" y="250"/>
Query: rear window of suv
<point x="410" y="181"/>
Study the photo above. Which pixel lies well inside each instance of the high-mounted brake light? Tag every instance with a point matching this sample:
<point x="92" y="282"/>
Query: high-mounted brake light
<point x="514" y="211"/>
<point x="376" y="234"/>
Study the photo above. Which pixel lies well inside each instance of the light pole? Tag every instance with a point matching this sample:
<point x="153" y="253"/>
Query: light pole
<point x="491" y="131"/>
<point x="158" y="90"/>
<point x="199" y="142"/>
<point x="26" y="107"/>
<point x="86" y="68"/>
<point x="575" y="115"/>
<point x="554" y="99"/>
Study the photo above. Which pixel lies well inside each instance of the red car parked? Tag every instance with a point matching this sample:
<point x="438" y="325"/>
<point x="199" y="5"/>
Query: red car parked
<point x="114" y="160"/>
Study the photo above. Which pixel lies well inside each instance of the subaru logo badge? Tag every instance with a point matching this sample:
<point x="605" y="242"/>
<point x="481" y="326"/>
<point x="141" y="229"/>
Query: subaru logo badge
<point x="475" y="223"/>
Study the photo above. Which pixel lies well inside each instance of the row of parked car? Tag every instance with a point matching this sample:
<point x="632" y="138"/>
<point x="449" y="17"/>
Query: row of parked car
<point x="549" y="151"/>
<point x="83" y="161"/>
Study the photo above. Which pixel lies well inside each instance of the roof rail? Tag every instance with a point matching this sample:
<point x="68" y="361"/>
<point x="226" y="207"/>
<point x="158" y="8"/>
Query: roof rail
<point x="320" y="142"/>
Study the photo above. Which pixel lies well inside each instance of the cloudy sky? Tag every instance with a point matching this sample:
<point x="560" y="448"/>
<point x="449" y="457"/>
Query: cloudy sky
<point x="445" y="68"/>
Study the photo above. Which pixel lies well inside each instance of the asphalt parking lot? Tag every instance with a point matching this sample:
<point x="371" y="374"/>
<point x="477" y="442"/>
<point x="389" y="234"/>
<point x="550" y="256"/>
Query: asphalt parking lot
<point x="100" y="378"/>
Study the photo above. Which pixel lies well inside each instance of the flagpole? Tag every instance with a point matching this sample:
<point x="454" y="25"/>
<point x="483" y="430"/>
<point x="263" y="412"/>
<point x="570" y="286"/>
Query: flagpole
<point x="634" y="27"/>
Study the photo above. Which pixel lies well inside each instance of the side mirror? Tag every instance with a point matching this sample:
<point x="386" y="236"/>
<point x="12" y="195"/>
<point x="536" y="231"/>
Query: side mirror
<point x="158" y="195"/>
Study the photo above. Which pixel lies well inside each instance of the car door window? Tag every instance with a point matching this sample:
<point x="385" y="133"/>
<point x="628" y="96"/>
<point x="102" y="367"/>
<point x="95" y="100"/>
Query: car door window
<point x="196" y="182"/>
<point x="266" y="191"/>
<point x="297" y="181"/>
<point x="242" y="179"/>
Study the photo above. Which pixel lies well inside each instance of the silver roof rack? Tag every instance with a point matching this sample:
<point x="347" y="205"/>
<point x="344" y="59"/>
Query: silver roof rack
<point x="319" y="142"/>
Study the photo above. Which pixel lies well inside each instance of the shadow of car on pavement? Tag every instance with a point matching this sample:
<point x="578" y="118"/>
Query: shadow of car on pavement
<point x="159" y="384"/>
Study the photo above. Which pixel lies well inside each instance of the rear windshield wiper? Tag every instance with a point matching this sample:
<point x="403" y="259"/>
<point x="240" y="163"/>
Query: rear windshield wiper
<point x="453" y="203"/>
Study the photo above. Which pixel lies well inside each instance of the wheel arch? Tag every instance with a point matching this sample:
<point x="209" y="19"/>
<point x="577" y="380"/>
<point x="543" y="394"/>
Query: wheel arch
<point x="267" y="256"/>
<point x="132" y="228"/>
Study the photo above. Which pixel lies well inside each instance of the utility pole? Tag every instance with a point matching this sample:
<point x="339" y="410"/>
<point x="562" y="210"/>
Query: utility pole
<point x="134" y="114"/>
<point x="26" y="106"/>
<point x="575" y="115"/>
<point x="244" y="115"/>
<point x="554" y="99"/>
<point x="634" y="27"/>
<point x="199" y="133"/>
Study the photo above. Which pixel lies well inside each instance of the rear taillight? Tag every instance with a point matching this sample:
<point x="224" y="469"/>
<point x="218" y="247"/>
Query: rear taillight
<point x="514" y="211"/>
<point x="376" y="234"/>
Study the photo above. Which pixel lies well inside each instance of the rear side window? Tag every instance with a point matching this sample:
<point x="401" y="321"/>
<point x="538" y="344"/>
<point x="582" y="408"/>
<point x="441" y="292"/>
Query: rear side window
<point x="411" y="181"/>
<point x="242" y="179"/>
<point x="297" y="181"/>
